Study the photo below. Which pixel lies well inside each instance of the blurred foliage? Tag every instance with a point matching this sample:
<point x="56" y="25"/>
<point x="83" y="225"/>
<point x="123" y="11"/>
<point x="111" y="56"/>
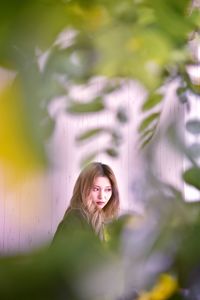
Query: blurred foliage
<point x="53" y="46"/>
<point x="55" y="272"/>
<point x="19" y="149"/>
<point x="83" y="40"/>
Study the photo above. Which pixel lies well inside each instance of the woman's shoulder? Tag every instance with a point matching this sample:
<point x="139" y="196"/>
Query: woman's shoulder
<point x="74" y="217"/>
<point x="74" y="220"/>
<point x="75" y="214"/>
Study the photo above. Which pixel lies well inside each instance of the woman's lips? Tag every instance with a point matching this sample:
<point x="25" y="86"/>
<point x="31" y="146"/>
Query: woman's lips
<point x="100" y="202"/>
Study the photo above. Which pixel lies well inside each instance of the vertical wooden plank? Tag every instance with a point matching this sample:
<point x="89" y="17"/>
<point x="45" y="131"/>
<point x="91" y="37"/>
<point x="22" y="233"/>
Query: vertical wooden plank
<point x="168" y="159"/>
<point x="191" y="193"/>
<point x="11" y="232"/>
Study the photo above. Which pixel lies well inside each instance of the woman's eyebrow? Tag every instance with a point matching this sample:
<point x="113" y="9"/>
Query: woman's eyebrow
<point x="107" y="186"/>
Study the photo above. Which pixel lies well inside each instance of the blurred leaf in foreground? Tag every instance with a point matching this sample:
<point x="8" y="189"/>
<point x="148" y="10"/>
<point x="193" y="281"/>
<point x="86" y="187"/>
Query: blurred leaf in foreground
<point x="69" y="269"/>
<point x="20" y="151"/>
<point x="192" y="177"/>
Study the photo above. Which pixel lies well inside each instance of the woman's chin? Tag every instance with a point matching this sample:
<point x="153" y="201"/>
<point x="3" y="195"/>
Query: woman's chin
<point x="100" y="204"/>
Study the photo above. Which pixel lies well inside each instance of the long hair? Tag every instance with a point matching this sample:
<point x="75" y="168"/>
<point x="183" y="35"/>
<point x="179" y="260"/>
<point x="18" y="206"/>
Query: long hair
<point x="80" y="198"/>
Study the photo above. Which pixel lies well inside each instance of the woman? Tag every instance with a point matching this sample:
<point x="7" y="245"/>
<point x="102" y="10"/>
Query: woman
<point x="95" y="201"/>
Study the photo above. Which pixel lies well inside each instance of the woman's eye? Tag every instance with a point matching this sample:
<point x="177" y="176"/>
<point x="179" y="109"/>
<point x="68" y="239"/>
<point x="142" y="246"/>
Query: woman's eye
<point x="95" y="189"/>
<point x="108" y="190"/>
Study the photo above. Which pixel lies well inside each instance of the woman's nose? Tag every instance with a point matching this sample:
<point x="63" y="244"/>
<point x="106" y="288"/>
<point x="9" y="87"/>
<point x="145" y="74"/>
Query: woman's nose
<point x="100" y="195"/>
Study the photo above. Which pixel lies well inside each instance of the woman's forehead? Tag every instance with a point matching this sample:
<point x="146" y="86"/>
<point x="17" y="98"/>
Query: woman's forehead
<point x="101" y="181"/>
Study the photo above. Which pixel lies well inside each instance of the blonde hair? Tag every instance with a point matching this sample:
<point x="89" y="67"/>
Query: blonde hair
<point x="80" y="200"/>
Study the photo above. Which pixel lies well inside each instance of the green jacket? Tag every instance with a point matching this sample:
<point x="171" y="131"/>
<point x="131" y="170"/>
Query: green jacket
<point x="73" y="222"/>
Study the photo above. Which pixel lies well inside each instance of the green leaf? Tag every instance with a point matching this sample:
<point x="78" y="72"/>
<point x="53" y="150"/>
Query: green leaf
<point x="192" y="177"/>
<point x="122" y="115"/>
<point x="47" y="126"/>
<point x="147" y="121"/>
<point x="89" y="158"/>
<point x="116" y="137"/>
<point x="148" y="132"/>
<point x="195" y="88"/>
<point x="22" y="148"/>
<point x="146" y="141"/>
<point x="111" y="87"/>
<point x="77" y="107"/>
<point x="193" y="126"/>
<point x="172" y="18"/>
<point x="59" y="62"/>
<point x="152" y="101"/>
<point x="195" y="16"/>
<point x="181" y="90"/>
<point x="50" y="87"/>
<point x="112" y="152"/>
<point x="115" y="230"/>
<point x="90" y="133"/>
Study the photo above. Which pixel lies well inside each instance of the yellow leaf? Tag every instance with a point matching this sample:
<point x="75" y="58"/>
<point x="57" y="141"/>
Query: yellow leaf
<point x="165" y="287"/>
<point x="90" y="17"/>
<point x="19" y="152"/>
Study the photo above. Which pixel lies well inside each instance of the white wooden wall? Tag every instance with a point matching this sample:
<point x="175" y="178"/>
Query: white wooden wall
<point x="30" y="213"/>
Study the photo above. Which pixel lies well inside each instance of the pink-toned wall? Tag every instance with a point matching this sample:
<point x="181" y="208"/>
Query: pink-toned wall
<point x="30" y="213"/>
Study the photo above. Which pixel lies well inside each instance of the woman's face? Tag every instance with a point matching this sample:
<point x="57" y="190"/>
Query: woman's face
<point x="101" y="191"/>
